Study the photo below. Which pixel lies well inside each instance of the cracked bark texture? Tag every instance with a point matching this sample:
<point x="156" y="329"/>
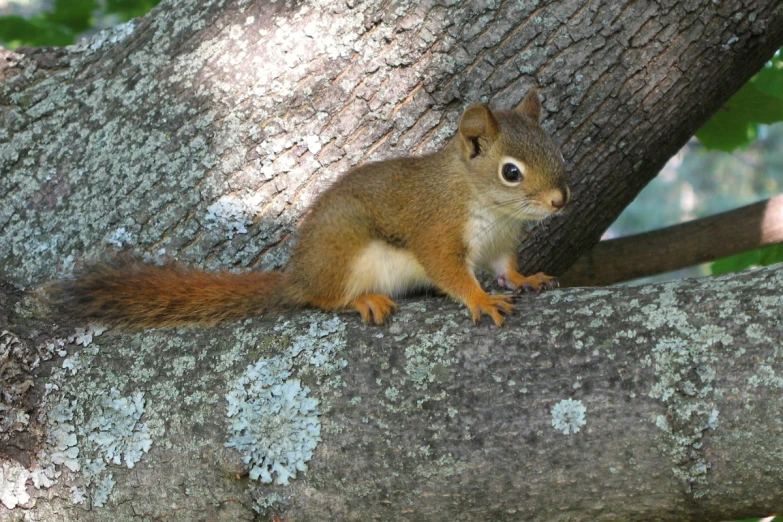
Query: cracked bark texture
<point x="249" y="109"/>
<point x="204" y="130"/>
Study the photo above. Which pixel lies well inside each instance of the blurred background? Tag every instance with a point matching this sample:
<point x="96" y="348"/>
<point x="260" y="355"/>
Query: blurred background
<point x="698" y="182"/>
<point x="61" y="22"/>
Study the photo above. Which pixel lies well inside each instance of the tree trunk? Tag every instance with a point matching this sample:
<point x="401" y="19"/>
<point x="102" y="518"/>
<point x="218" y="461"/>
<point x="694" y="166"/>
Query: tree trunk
<point x="204" y="130"/>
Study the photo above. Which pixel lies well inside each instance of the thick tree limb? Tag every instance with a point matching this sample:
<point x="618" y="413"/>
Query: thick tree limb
<point x="679" y="246"/>
<point x="439" y="420"/>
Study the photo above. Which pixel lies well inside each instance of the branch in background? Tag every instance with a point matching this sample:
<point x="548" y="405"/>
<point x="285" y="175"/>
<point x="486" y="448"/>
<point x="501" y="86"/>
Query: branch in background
<point x="680" y="246"/>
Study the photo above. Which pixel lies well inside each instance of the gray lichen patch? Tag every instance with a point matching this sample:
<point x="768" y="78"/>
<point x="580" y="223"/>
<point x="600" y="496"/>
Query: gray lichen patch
<point x="685" y="384"/>
<point x="671" y="329"/>
<point x="445" y="466"/>
<point x="431" y="352"/>
<point x="273" y="423"/>
<point x="105" y="409"/>
<point x="116" y="429"/>
<point x="272" y="420"/>
<point x="683" y="363"/>
<point x="56" y="423"/>
<point x="568" y="416"/>
<point x="85" y="435"/>
<point x="13" y="485"/>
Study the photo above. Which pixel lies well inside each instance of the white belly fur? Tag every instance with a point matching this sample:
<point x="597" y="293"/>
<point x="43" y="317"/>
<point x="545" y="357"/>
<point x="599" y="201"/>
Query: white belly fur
<point x="490" y="238"/>
<point x="383" y="269"/>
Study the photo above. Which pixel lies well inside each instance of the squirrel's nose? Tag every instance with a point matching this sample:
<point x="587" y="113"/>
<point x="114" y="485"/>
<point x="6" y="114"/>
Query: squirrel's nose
<point x="560" y="197"/>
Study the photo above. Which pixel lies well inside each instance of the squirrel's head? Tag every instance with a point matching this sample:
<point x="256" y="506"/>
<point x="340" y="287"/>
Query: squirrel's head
<point x="517" y="168"/>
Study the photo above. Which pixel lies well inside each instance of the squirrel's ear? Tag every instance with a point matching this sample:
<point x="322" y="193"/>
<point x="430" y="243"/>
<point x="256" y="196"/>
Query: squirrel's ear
<point x="477" y="125"/>
<point x="530" y="105"/>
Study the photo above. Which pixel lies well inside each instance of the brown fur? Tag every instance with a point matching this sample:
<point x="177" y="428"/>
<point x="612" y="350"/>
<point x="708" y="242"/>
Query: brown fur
<point x="383" y="228"/>
<point x="137" y="295"/>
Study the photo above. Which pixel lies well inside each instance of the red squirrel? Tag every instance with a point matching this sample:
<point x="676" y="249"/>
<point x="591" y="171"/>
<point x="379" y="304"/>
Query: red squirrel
<point x="381" y="230"/>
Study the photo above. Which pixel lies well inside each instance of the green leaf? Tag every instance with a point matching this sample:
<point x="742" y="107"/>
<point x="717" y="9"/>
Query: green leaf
<point x="77" y="15"/>
<point x="127" y="9"/>
<point x="69" y="18"/>
<point x="16" y="31"/>
<point x="769" y="80"/>
<point x="766" y="255"/>
<point x="734" y="125"/>
<point x="771" y="254"/>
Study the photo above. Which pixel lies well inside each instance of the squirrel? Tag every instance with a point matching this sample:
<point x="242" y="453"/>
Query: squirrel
<point x="381" y="230"/>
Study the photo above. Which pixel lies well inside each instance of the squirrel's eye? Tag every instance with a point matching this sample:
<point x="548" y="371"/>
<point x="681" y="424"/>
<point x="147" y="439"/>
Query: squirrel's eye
<point x="511" y="173"/>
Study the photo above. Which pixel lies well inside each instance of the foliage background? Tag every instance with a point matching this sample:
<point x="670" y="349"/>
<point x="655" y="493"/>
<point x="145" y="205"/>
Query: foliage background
<point x="61" y="22"/>
<point x="736" y="159"/>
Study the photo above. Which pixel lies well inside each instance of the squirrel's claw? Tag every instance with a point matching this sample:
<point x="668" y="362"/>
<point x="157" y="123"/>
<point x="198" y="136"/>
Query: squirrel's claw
<point x="494" y="305"/>
<point x="536" y="283"/>
<point x="374" y="308"/>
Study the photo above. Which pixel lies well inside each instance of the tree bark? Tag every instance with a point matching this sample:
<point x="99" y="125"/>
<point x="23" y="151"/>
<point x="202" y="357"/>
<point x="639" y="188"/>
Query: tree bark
<point x="204" y="130"/>
<point x="432" y="418"/>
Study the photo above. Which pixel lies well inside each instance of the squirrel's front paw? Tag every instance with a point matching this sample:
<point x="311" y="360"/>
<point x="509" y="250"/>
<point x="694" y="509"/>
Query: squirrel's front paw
<point x="534" y="283"/>
<point x="492" y="305"/>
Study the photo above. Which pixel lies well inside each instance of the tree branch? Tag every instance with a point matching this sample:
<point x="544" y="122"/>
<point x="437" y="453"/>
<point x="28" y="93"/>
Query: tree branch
<point x="679" y="385"/>
<point x="679" y="246"/>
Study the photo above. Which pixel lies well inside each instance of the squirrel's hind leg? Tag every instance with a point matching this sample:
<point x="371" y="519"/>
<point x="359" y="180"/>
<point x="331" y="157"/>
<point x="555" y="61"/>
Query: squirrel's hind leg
<point x="374" y="307"/>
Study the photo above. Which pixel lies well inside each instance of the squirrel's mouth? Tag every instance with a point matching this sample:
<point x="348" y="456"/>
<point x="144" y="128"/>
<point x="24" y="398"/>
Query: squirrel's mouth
<point x="525" y="210"/>
<point x="540" y="210"/>
<point x="544" y="212"/>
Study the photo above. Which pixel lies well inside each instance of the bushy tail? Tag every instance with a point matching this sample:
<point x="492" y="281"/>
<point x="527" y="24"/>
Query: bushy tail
<point x="147" y="296"/>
